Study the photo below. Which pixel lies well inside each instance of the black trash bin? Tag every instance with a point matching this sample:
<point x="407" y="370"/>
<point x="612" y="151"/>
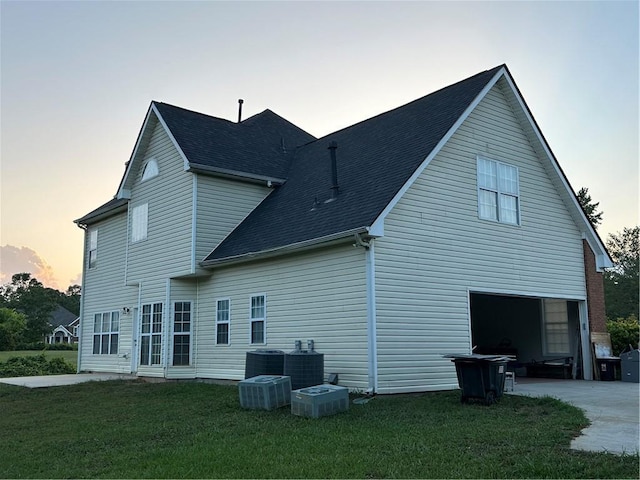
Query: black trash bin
<point x="480" y="376"/>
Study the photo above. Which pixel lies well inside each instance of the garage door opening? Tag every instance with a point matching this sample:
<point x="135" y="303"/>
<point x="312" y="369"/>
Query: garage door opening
<point x="542" y="333"/>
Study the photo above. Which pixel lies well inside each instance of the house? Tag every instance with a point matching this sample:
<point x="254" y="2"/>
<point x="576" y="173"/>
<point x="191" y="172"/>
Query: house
<point x="65" y="326"/>
<point x="444" y="224"/>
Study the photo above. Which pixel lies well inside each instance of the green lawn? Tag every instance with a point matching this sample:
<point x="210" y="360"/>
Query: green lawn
<point x="196" y="430"/>
<point x="70" y="356"/>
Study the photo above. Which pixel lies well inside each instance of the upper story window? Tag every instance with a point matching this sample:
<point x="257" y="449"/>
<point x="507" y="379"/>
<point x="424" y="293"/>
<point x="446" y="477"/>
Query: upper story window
<point x="93" y="248"/>
<point x="150" y="170"/>
<point x="498" y="192"/>
<point x="139" y="220"/>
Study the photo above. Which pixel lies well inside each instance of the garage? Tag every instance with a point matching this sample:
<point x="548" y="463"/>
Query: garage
<point x="542" y="333"/>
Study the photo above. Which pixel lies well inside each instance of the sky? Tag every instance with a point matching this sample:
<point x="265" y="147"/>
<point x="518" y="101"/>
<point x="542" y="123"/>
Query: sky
<point x="76" y="79"/>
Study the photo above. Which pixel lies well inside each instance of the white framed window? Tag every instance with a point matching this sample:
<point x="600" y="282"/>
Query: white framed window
<point x="258" y="316"/>
<point x="93" y="248"/>
<point x="151" y="334"/>
<point x="150" y="169"/>
<point x="556" y="327"/>
<point x="106" y="329"/>
<point x="181" y="333"/>
<point x="498" y="191"/>
<point x="139" y="221"/>
<point x="223" y="321"/>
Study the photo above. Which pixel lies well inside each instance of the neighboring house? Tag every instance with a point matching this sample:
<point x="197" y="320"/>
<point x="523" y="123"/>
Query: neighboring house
<point x="429" y="229"/>
<point x="65" y="326"/>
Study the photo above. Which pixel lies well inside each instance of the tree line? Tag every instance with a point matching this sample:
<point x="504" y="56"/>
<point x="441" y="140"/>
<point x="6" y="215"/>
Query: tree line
<point x="26" y="306"/>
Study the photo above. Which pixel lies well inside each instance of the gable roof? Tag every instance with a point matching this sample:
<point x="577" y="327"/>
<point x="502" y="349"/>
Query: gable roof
<point x="61" y="316"/>
<point x="378" y="160"/>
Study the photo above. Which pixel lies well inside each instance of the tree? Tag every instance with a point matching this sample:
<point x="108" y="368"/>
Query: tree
<point x="589" y="206"/>
<point x="621" y="283"/>
<point x="28" y="296"/>
<point x="12" y="324"/>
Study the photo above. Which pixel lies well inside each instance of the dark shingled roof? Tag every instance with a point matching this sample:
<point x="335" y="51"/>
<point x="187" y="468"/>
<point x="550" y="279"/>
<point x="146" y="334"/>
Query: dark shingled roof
<point x="376" y="157"/>
<point x="61" y="316"/>
<point x="253" y="146"/>
<point x="112" y="206"/>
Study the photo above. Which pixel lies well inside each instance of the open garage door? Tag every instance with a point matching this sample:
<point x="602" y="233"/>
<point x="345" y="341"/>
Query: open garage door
<point x="543" y="333"/>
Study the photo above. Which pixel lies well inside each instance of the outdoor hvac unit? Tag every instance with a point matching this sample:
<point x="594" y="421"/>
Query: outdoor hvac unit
<point x="305" y="367"/>
<point x="319" y="401"/>
<point x="264" y="362"/>
<point x="265" y="392"/>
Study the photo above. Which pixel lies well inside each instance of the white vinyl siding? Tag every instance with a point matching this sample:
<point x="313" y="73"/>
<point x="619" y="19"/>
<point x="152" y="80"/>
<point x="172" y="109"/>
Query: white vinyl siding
<point x="318" y="295"/>
<point x="436" y="251"/>
<point x="139" y="221"/>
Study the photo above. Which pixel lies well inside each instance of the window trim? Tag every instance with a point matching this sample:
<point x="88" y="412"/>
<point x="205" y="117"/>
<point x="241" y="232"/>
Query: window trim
<point x="174" y="333"/>
<point x="97" y="335"/>
<point x="139" y="223"/>
<point x="223" y="322"/>
<point x="262" y="319"/>
<point x="150" y="334"/>
<point x="499" y="193"/>
<point x="150" y="170"/>
<point x="92" y="258"/>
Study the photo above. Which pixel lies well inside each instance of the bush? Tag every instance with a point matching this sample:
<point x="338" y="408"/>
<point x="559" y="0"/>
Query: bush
<point x="45" y="346"/>
<point x="624" y="332"/>
<point x="35" y="365"/>
<point x="61" y="346"/>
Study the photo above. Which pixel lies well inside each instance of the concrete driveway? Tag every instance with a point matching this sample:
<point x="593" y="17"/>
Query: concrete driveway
<point x="612" y="408"/>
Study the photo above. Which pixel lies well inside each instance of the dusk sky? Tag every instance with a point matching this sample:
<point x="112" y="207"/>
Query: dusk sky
<point x="77" y="79"/>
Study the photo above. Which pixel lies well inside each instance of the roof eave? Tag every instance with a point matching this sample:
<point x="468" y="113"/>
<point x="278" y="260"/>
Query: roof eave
<point x="297" y="247"/>
<point x="101" y="215"/>
<point x="234" y="174"/>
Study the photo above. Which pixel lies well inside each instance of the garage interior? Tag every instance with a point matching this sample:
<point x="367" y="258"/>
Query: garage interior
<point x="542" y="333"/>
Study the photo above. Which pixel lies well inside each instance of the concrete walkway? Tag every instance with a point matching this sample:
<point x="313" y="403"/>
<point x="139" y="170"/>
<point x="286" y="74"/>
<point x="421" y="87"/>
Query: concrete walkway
<point x="60" y="380"/>
<point x="612" y="408"/>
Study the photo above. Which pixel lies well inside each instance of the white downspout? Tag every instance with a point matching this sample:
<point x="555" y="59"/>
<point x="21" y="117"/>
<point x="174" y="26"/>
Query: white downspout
<point x="167" y="322"/>
<point x="371" y="317"/>
<point x="81" y="323"/>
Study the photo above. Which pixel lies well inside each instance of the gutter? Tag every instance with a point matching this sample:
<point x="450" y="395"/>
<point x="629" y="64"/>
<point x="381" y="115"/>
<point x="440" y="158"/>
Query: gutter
<point x="118" y="207"/>
<point x="282" y="250"/>
<point x="235" y="174"/>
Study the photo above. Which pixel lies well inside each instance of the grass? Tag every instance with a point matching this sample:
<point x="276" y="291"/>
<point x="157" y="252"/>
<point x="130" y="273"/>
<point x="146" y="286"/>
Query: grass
<point x="70" y="356"/>
<point x="196" y="430"/>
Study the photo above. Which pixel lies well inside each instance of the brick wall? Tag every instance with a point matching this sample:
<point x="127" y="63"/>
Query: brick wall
<point x="595" y="291"/>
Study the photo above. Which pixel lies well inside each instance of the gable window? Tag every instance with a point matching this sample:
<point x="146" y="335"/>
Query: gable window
<point x="151" y="334"/>
<point x="139" y="220"/>
<point x="93" y="248"/>
<point x="556" y="327"/>
<point x="181" y="333"/>
<point x="150" y="170"/>
<point x="106" y="327"/>
<point x="223" y="319"/>
<point x="498" y="192"/>
<point x="258" y="317"/>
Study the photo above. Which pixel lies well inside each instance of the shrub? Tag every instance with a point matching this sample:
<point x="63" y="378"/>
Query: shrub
<point x="60" y="346"/>
<point x="35" y="365"/>
<point x="624" y="332"/>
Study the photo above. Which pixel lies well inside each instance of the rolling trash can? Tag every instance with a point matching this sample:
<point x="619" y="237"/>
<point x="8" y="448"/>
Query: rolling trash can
<point x="480" y="376"/>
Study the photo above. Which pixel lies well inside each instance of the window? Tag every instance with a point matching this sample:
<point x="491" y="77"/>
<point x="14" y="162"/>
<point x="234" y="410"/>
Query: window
<point x="151" y="334"/>
<point x="556" y="327"/>
<point x="93" y="248"/>
<point x="150" y="170"/>
<point x="139" y="222"/>
<point x="181" y="333"/>
<point x="498" y="192"/>
<point x="105" y="333"/>
<point x="223" y="318"/>
<point x="258" y="318"/>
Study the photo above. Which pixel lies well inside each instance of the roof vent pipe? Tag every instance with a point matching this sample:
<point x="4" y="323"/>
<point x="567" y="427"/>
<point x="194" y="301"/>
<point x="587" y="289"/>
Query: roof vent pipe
<point x="240" y="102"/>
<point x="334" y="170"/>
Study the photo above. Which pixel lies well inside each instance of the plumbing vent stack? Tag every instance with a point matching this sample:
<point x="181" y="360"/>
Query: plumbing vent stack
<point x="240" y="102"/>
<point x="333" y="146"/>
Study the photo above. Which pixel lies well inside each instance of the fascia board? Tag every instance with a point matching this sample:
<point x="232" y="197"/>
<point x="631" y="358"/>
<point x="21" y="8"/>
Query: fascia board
<point x="234" y="174"/>
<point x="294" y="247"/>
<point x="603" y="260"/>
<point x="378" y="225"/>
<point x="185" y="162"/>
